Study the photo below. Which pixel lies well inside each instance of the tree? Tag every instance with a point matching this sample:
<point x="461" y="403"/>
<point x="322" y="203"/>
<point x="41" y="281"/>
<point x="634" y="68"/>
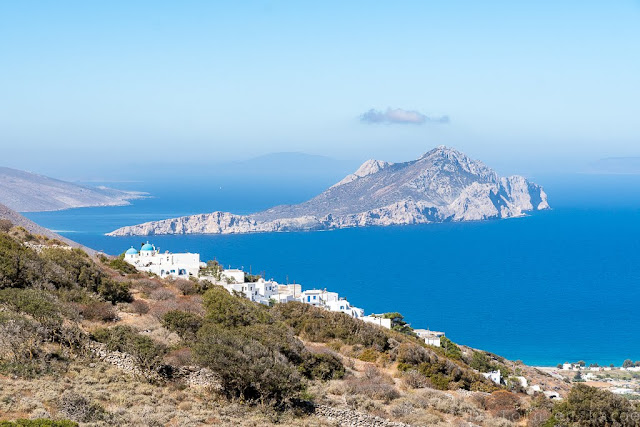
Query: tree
<point x="398" y="323"/>
<point x="627" y="363"/>
<point x="582" y="363"/>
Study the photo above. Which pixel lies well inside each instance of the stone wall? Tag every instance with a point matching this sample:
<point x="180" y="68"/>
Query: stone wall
<point x="351" y="418"/>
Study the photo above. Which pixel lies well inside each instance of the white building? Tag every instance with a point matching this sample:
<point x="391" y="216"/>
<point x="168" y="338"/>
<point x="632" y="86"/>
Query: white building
<point x="494" y="376"/>
<point x="233" y="275"/>
<point x="429" y="337"/>
<point x="342" y="305"/>
<point x="183" y="265"/>
<point x="377" y="320"/>
<point x="318" y="297"/>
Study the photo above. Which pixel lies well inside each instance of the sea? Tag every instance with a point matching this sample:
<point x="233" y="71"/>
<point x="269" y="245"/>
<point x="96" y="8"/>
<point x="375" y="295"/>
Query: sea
<point x="555" y="286"/>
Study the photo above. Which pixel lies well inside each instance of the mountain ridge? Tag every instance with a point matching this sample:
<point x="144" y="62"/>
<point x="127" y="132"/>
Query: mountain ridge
<point x="29" y="192"/>
<point x="442" y="185"/>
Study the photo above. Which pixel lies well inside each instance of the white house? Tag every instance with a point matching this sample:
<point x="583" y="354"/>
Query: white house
<point x="429" y="337"/>
<point x="377" y="320"/>
<point x="318" y="297"/>
<point x="294" y="290"/>
<point x="233" y="275"/>
<point x="266" y="288"/>
<point x="342" y="305"/>
<point x="182" y="265"/>
<point x="494" y="376"/>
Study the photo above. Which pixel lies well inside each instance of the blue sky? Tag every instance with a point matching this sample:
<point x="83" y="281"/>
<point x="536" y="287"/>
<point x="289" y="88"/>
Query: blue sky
<point x="526" y="86"/>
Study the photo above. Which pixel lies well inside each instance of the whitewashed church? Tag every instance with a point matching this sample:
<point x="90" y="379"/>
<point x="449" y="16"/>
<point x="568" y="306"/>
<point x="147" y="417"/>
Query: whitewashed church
<point x="164" y="264"/>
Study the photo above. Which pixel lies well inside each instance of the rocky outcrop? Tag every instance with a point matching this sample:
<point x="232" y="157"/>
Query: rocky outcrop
<point x="442" y="185"/>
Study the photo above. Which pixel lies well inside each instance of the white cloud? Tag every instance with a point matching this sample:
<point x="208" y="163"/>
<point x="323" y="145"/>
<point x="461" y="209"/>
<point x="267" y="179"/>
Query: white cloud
<point x="398" y="115"/>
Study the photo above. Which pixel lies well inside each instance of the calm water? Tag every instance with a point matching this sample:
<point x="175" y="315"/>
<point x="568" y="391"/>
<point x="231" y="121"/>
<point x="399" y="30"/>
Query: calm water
<point x="557" y="286"/>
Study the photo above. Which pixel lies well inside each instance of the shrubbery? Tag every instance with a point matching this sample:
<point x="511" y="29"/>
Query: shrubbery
<point x="185" y="324"/>
<point x="323" y="326"/>
<point x="146" y="352"/>
<point x="589" y="406"/>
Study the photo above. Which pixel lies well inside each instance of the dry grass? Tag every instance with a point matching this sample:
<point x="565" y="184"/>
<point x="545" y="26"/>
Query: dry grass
<point x="122" y="400"/>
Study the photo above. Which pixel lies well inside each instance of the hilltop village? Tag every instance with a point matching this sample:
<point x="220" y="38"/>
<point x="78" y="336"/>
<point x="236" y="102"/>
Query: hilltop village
<point x="255" y="288"/>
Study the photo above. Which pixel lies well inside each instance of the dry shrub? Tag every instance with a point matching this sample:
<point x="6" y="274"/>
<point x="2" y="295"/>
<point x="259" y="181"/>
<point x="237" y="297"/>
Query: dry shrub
<point x="5" y="225"/>
<point x="538" y="417"/>
<point x="402" y="409"/>
<point x="414" y="379"/>
<point x="187" y="287"/>
<point x="412" y="354"/>
<point x="504" y="404"/>
<point x="98" y="311"/>
<point x="179" y="357"/>
<point x="191" y="304"/>
<point x="159" y="309"/>
<point x="146" y="286"/>
<point x="368" y="355"/>
<point x="444" y="403"/>
<point x="162" y="294"/>
<point x="374" y="384"/>
<point x="77" y="408"/>
<point x="140" y="307"/>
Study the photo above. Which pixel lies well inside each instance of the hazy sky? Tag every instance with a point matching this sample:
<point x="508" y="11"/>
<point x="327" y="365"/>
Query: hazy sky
<point x="520" y="84"/>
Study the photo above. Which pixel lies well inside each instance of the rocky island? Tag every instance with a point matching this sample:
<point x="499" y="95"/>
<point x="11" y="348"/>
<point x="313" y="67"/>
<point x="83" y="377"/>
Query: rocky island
<point x="442" y="185"/>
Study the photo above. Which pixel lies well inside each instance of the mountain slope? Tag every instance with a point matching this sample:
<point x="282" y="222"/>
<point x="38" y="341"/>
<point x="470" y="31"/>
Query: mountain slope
<point x="28" y="192"/>
<point x="442" y="185"/>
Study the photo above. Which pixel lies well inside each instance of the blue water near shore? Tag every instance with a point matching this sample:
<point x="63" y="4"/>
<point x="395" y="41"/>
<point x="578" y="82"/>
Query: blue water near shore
<point x="560" y="285"/>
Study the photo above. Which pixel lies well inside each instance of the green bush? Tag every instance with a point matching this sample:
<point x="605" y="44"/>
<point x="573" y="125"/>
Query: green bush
<point x="450" y="348"/>
<point x="67" y="268"/>
<point x="315" y="324"/>
<point x="18" y="264"/>
<point x="113" y="291"/>
<point x="119" y="264"/>
<point x="322" y="366"/>
<point x="231" y="311"/>
<point x="247" y="369"/>
<point x="589" y="406"/>
<point x="183" y="323"/>
<point x="37" y="303"/>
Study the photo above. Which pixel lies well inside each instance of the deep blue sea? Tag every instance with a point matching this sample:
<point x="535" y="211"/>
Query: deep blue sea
<point x="561" y="285"/>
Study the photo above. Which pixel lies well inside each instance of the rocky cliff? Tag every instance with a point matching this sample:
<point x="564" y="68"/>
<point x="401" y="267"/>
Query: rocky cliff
<point x="442" y="185"/>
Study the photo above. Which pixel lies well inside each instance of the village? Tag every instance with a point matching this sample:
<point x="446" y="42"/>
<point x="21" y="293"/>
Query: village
<point x="623" y="380"/>
<point x="189" y="266"/>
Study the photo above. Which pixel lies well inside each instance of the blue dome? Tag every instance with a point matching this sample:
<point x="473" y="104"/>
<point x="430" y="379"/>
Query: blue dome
<point x="131" y="251"/>
<point x="147" y="247"/>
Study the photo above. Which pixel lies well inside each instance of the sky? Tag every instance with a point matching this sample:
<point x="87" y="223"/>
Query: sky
<point x="525" y="86"/>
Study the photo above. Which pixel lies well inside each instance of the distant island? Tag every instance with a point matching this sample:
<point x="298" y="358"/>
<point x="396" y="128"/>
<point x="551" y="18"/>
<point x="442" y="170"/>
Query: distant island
<point x="442" y="185"/>
<point x="29" y="192"/>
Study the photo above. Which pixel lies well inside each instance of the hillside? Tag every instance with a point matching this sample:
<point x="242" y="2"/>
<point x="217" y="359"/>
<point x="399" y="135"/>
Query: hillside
<point x="100" y="344"/>
<point x="442" y="185"/>
<point x="28" y="192"/>
<point x="16" y="219"/>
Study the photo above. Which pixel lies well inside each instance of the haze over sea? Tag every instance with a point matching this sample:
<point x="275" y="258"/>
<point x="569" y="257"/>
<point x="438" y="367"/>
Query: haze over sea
<point x="561" y="285"/>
